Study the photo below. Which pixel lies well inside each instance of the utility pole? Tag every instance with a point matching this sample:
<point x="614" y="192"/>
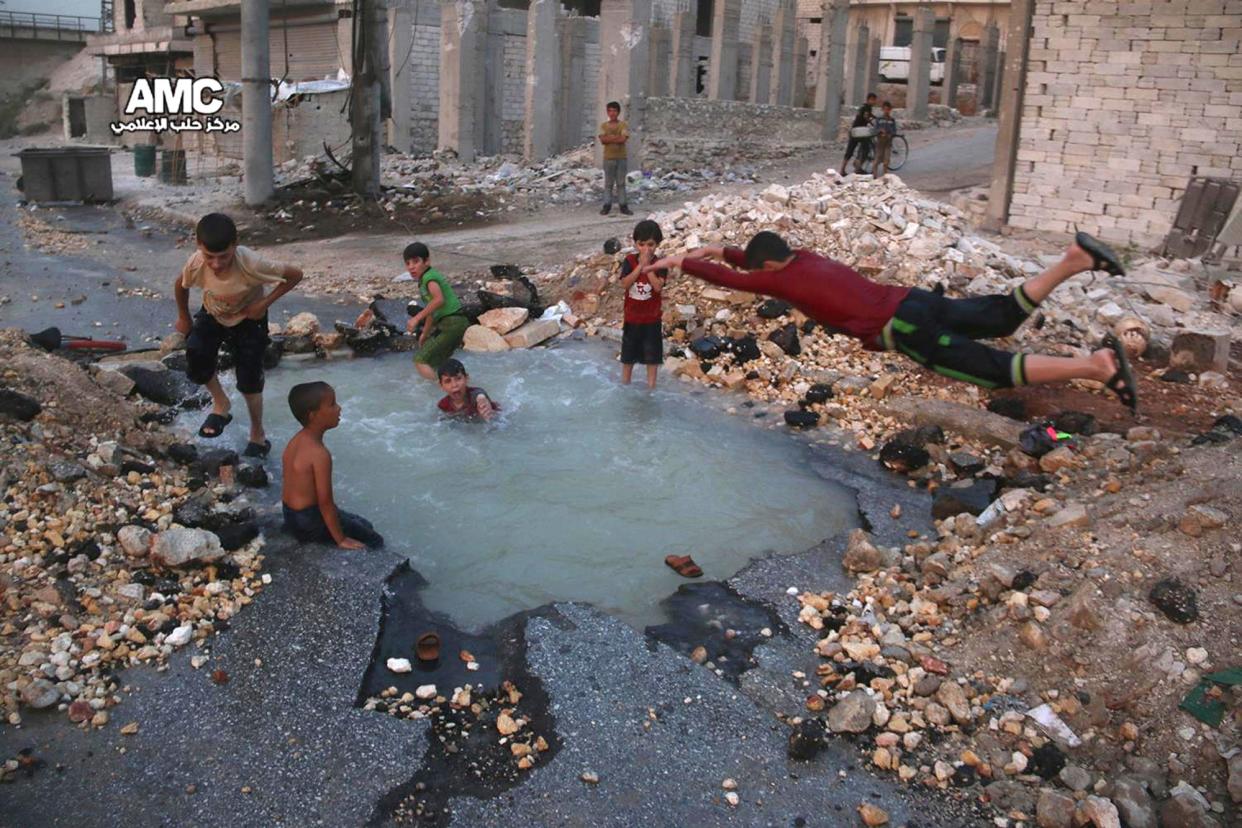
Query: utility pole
<point x="370" y="100"/>
<point x="256" y="102"/>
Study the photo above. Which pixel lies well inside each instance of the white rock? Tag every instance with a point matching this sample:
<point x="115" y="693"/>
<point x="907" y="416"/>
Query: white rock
<point x="304" y="324"/>
<point x="532" y="333"/>
<point x="425" y="691"/>
<point x="504" y="320"/>
<point x="180" y="636"/>
<point x="135" y="540"/>
<point x="399" y="665"/>
<point x="479" y="339"/>
<point x="179" y="546"/>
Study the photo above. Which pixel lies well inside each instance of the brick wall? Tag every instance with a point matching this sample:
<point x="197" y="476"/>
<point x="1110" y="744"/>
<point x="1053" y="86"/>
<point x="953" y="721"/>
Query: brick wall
<point x="1123" y="103"/>
<point x="593" y="110"/>
<point x="424" y="73"/>
<point x="697" y="132"/>
<point x="513" y="105"/>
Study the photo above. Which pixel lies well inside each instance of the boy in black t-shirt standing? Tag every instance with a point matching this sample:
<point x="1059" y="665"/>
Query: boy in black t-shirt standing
<point x="861" y="119"/>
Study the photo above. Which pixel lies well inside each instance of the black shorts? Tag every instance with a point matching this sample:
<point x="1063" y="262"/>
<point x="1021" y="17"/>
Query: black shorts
<point x="247" y="340"/>
<point x="642" y="343"/>
<point x="939" y="333"/>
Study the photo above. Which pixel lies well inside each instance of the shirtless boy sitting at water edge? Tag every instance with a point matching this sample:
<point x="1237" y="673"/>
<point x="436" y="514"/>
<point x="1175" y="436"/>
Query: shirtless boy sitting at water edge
<point x="306" y="494"/>
<point x="937" y="332"/>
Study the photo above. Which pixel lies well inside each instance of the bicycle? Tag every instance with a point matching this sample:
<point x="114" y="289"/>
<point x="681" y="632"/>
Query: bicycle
<point x="897" y="155"/>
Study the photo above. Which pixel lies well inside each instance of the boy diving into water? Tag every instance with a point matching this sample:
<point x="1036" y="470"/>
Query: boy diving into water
<point x="937" y="332"/>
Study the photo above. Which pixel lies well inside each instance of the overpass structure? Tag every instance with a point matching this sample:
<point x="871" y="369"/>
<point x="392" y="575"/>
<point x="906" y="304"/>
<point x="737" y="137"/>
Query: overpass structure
<point x="66" y="28"/>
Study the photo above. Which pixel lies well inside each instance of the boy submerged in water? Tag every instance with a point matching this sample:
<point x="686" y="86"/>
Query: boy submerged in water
<point x="306" y="494"/>
<point x="937" y="332"/>
<point x="462" y="400"/>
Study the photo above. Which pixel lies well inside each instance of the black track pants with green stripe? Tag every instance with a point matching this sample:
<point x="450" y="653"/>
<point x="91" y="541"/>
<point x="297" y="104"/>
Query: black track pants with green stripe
<point x="939" y="333"/>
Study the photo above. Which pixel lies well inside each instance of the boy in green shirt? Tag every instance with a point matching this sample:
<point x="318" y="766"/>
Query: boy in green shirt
<point x="445" y="324"/>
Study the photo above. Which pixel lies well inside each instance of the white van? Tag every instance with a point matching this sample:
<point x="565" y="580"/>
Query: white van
<point x="895" y="63"/>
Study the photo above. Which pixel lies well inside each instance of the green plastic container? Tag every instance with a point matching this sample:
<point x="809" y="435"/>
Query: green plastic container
<point x="144" y="161"/>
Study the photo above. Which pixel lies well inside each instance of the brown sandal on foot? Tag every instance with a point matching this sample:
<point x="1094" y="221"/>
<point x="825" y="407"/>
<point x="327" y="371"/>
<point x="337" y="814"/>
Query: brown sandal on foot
<point x="428" y="647"/>
<point x="684" y="566"/>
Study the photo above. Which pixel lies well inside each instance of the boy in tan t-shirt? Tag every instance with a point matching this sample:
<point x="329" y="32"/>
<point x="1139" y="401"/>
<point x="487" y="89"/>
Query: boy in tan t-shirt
<point x="234" y="311"/>
<point x="613" y="134"/>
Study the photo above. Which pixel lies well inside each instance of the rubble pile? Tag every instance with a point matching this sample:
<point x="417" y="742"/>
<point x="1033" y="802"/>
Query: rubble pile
<point x="1033" y="654"/>
<point x="99" y="566"/>
<point x="891" y="234"/>
<point x="434" y="185"/>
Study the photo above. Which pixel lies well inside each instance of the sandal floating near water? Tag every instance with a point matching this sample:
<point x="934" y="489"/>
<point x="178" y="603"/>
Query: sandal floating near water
<point x="214" y="425"/>
<point x="1121" y="382"/>
<point x="258" y="449"/>
<point x="684" y="566"/>
<point x="428" y="647"/>
<point x="1102" y="256"/>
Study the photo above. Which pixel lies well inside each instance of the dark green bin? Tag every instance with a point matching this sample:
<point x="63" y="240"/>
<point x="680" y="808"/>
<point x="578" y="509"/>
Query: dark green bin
<point x="144" y="161"/>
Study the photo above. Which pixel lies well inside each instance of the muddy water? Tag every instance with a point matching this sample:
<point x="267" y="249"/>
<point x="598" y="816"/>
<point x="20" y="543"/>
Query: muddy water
<point x="576" y="493"/>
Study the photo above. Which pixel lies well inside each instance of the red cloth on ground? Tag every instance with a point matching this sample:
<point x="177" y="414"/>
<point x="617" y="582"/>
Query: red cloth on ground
<point x="828" y="291"/>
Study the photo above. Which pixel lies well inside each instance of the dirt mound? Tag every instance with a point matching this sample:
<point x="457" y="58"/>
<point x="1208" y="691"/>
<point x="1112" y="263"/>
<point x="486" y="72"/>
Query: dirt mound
<point x="62" y="387"/>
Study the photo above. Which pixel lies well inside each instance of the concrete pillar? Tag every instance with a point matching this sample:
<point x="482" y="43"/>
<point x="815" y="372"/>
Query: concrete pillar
<point x="1009" y="124"/>
<point x="918" y="86"/>
<point x="858" y="66"/>
<point x="784" y="36"/>
<point x="401" y="67"/>
<point x="681" y="63"/>
<point x="575" y="93"/>
<point x="463" y="57"/>
<point x="998" y="83"/>
<point x="659" y="57"/>
<point x="761" y="65"/>
<point x="952" y="72"/>
<point x="722" y="70"/>
<point x="623" y="47"/>
<point x="493" y="88"/>
<point x="543" y="77"/>
<point x="987" y="65"/>
<point x="256" y="103"/>
<point x="801" y="50"/>
<point x="873" y="65"/>
<point x="830" y="74"/>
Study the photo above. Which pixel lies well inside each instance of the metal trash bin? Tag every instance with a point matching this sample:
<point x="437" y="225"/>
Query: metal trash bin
<point x="144" y="160"/>
<point x="67" y="174"/>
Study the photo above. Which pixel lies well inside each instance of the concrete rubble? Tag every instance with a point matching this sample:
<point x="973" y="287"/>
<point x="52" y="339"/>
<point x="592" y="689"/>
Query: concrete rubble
<point x="493" y="185"/>
<point x="93" y="559"/>
<point x="989" y="657"/>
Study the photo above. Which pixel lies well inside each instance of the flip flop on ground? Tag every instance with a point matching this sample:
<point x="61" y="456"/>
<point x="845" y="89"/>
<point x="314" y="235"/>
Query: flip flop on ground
<point x="684" y="566"/>
<point x="1102" y="256"/>
<point x="214" y="425"/>
<point x="258" y="449"/>
<point x="1122" y="382"/>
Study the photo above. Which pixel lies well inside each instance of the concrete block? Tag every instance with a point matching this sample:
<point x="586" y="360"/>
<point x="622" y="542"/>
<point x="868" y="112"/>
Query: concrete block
<point x="1200" y="351"/>
<point x="480" y="339"/>
<point x="532" y="333"/>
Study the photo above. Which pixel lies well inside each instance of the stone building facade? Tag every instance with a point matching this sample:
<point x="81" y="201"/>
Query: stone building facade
<point x="1122" y="103"/>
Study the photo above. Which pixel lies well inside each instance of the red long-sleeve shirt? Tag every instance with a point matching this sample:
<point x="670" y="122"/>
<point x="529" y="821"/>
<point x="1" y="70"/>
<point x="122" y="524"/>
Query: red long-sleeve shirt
<point x="829" y="292"/>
